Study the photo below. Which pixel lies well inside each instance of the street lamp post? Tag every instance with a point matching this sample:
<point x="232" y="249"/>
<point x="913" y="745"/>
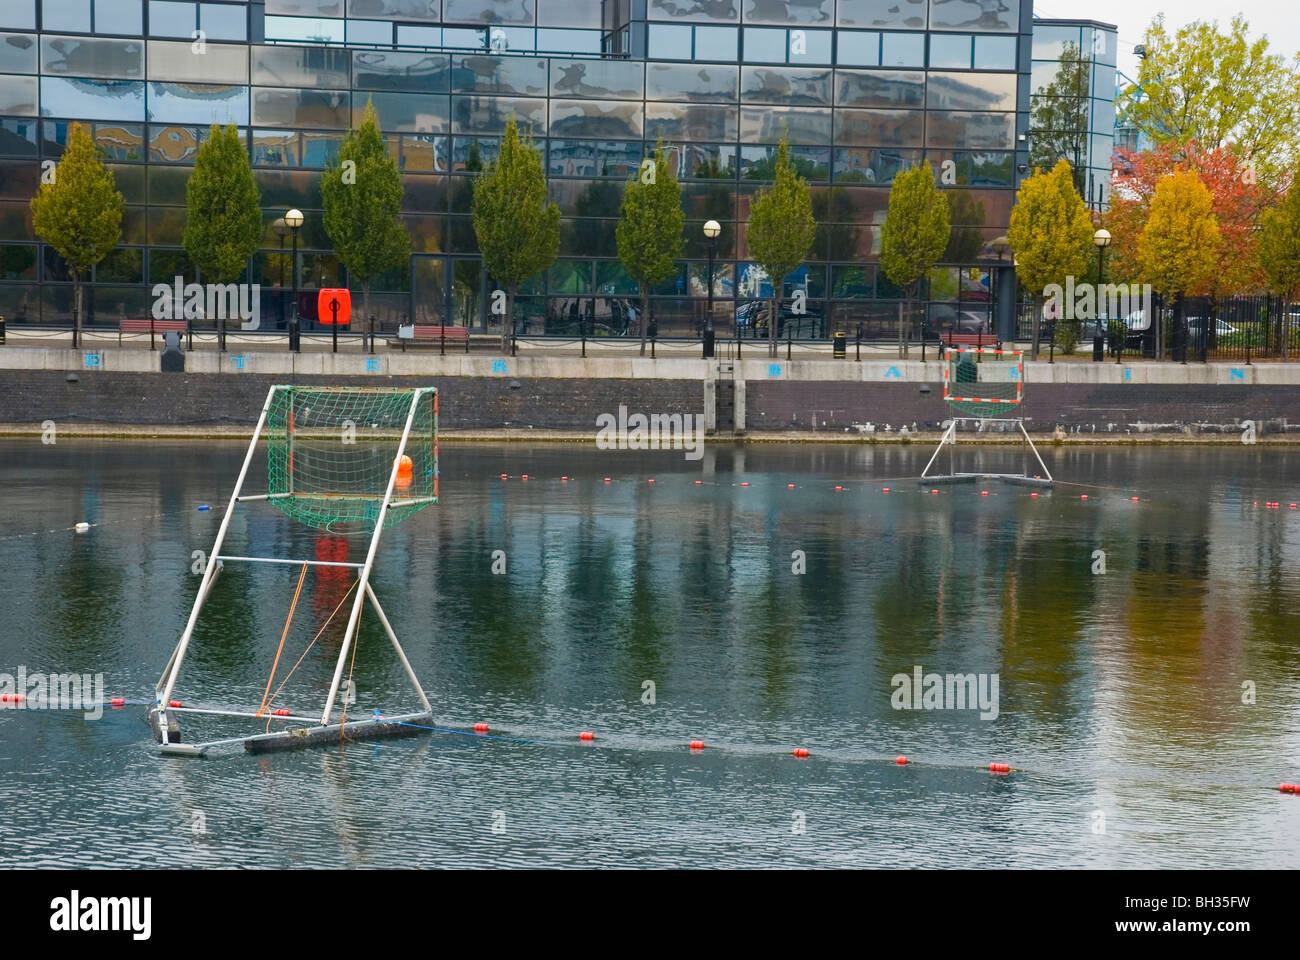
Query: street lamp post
<point x="1102" y="239"/>
<point x="712" y="229"/>
<point x="1000" y="246"/>
<point x="281" y="229"/>
<point x="293" y="220"/>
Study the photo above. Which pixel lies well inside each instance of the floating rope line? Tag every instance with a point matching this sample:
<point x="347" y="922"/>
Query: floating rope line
<point x="280" y="649"/>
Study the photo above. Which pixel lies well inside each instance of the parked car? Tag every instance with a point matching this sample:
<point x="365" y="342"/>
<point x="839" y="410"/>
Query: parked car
<point x="752" y="315"/>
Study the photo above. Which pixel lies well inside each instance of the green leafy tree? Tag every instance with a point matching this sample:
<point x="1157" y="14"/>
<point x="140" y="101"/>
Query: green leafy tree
<point x="1217" y="89"/>
<point x="223" y="212"/>
<point x="79" y="213"/>
<point x="1179" y="247"/>
<point x="649" y="234"/>
<point x="913" y="236"/>
<point x="1050" y="233"/>
<point x="362" y="195"/>
<point x="1279" y="252"/>
<point x="781" y="231"/>
<point x="518" y="230"/>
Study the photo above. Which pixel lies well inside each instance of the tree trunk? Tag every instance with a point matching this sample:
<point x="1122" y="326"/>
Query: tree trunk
<point x="643" y="321"/>
<point x="1286" y="325"/>
<point x="1037" y="328"/>
<point x="365" y="309"/>
<point x="76" y="309"/>
<point x="508" y="321"/>
<point x="772" y="323"/>
<point x="1181" y="334"/>
<point x="900" y="327"/>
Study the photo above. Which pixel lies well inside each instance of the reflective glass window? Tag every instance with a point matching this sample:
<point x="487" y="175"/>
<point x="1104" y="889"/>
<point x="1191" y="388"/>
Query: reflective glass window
<point x="18" y="95"/>
<point x="425" y="152"/>
<point x="886" y="128"/>
<point x="281" y="66"/>
<point x="858" y="48"/>
<point x="691" y="121"/>
<point x="300" y="108"/>
<point x="902" y="50"/>
<point x="764" y="45"/>
<point x="568" y="13"/>
<point x="320" y="149"/>
<point x="489" y="11"/>
<point x="976" y="168"/>
<point x="769" y="124"/>
<point x="272" y="148"/>
<point x="669" y="42"/>
<point x="1103" y="114"/>
<point x="693" y="10"/>
<point x="894" y="14"/>
<point x="1050" y="41"/>
<point x="879" y="88"/>
<point x="18" y="14"/>
<point x="693" y="81"/>
<point x="118" y="16"/>
<point x="995" y="53"/>
<point x="811" y="163"/>
<point x="786" y="85"/>
<point x="517" y="76"/>
<point x="413" y="112"/>
<point x="429" y="11"/>
<point x="873" y="164"/>
<point x="460" y="37"/>
<point x="71" y="15"/>
<point x="705" y="161"/>
<point x="950" y="51"/>
<point x="810" y="46"/>
<point x="716" y="43"/>
<point x="971" y="91"/>
<point x="168" y="18"/>
<point x="92" y="57"/>
<point x="596" y="119"/>
<point x="972" y="131"/>
<point x="376" y="32"/>
<point x="1103" y="80"/>
<point x="592" y="158"/>
<point x="568" y="41"/>
<point x="602" y="79"/>
<point x="175" y="144"/>
<point x="92" y="99"/>
<point x="198" y="103"/>
<point x="18" y="137"/>
<point x="373" y="70"/>
<point x="509" y="39"/>
<point x="224" y="21"/>
<point x="477" y="114"/>
<point x="990" y="16"/>
<point x="305" y="8"/>
<point x="17" y="53"/>
<point x="302" y="29"/>
<point x="422" y="37"/>
<point x="177" y="60"/>
<point x="790" y="11"/>
<point x="1103" y="46"/>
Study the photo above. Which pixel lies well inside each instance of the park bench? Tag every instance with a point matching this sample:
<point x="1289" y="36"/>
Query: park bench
<point x="970" y="340"/>
<point x="431" y="332"/>
<point x="149" y="326"/>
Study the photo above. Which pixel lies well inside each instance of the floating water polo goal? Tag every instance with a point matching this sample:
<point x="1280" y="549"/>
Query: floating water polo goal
<point x="349" y="462"/>
<point x="985" y="388"/>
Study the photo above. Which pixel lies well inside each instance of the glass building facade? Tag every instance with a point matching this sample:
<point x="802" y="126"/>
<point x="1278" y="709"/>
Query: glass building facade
<point x="1072" y="102"/>
<point x="862" y="89"/>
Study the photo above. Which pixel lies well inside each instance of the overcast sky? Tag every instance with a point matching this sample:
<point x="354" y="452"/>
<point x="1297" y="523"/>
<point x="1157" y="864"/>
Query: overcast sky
<point x="1278" y="19"/>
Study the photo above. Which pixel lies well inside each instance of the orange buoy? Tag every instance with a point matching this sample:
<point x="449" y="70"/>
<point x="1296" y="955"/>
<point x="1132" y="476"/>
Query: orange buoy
<point x="404" y="465"/>
<point x="117" y="702"/>
<point x="885" y="490"/>
<point x="697" y="744"/>
<point x="504" y="477"/>
<point x="480" y="727"/>
<point x="12" y="698"/>
<point x="800" y="752"/>
<point x="651" y="480"/>
<point x="984" y="493"/>
<point x="1083" y="496"/>
<point x="789" y="486"/>
<point x="1033" y="495"/>
<point x="1000" y="767"/>
<point x="900" y="760"/>
<point x="1134" y="499"/>
<point x="282" y="712"/>
<point x="523" y="476"/>
<point x="934" y="491"/>
<point x="838" y="489"/>
<point x="564" y="478"/>
<point x="698" y="482"/>
<point x="607" y="479"/>
<point x="744" y="483"/>
<point x="586" y="735"/>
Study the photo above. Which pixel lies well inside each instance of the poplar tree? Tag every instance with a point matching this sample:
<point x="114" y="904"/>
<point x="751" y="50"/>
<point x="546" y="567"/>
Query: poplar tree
<point x="913" y="237"/>
<point x="649" y="232"/>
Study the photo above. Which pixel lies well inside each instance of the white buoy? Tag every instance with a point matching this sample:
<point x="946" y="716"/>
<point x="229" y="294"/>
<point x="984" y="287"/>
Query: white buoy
<point x="82" y="527"/>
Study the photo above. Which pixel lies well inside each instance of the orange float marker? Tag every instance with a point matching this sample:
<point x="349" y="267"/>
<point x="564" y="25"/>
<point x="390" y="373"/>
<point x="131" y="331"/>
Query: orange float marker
<point x="118" y="703"/>
<point x="800" y="752"/>
<point x="282" y="712"/>
<point x="586" y="735"/>
<point x="789" y="486"/>
<point x="480" y="727"/>
<point x="174" y="703"/>
<point x="1083" y="496"/>
<point x="1033" y="496"/>
<point x="607" y="479"/>
<point x="901" y="760"/>
<point x="999" y="768"/>
<point x="697" y="744"/>
<point x="744" y="483"/>
<point x="838" y="489"/>
<point x="651" y="480"/>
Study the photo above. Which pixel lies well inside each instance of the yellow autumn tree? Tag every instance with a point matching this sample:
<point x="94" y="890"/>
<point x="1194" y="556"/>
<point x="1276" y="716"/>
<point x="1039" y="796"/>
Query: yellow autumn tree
<point x="1179" y="246"/>
<point x="1050" y="232"/>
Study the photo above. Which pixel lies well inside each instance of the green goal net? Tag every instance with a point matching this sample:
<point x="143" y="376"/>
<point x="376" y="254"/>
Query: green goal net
<point x="331" y="453"/>
<point x="984" y="383"/>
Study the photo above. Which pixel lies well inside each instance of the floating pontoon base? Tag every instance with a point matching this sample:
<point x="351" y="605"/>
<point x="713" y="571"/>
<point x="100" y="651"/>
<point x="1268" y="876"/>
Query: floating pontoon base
<point x="1012" y="478"/>
<point x="405" y="725"/>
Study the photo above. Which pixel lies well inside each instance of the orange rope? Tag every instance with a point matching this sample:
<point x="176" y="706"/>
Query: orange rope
<point x="288" y="620"/>
<point x="308" y="650"/>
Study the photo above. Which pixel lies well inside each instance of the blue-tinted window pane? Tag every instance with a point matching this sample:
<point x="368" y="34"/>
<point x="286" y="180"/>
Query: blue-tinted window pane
<point x="970" y="91"/>
<point x="410" y="112"/>
<point x="694" y="10"/>
<point x="568" y="41"/>
<point x="118" y="16"/>
<point x="224" y="21"/>
<point x="300" y="28"/>
<point x="949" y="51"/>
<point x="18" y="95"/>
<point x="198" y="103"/>
<point x="418" y="36"/>
<point x="995" y="53"/>
<point x="18" y="14"/>
<point x="17" y="53"/>
<point x="511" y="39"/>
<point x="170" y="19"/>
<point x="379" y="32"/>
<point x="92" y="99"/>
<point x="429" y="11"/>
<point x="516" y="76"/>
<point x="464" y="38"/>
<point x="616" y="79"/>
<point x="810" y="46"/>
<point x="1050" y="42"/>
<point x="66" y="15"/>
<point x="992" y="16"/>
<point x="489" y="11"/>
<point x="856" y="49"/>
<point x="669" y="42"/>
<point x="715" y="43"/>
<point x="764" y="45"/>
<point x="903" y="50"/>
<point x="665" y="81"/>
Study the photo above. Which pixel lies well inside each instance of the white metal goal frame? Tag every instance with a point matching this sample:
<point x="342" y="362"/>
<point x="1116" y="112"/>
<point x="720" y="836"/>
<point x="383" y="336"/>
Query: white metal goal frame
<point x="162" y="711"/>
